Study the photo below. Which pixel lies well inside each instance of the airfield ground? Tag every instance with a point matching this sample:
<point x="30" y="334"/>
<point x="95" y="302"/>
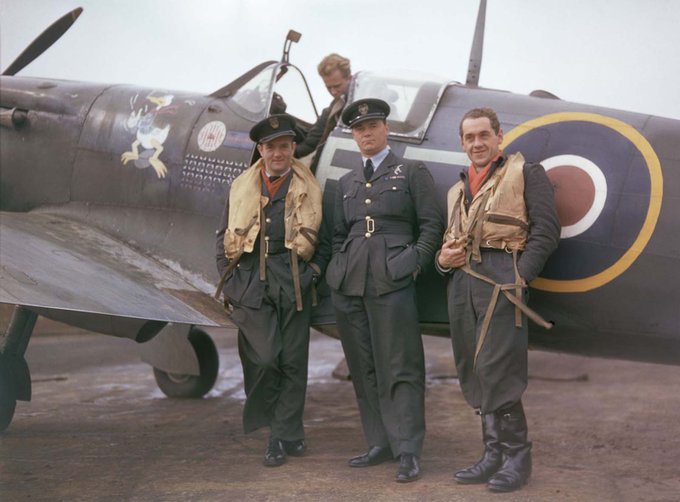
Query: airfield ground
<point x="98" y="429"/>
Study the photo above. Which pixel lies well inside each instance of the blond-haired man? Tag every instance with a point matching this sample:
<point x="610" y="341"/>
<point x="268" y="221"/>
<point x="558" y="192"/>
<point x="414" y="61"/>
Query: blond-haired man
<point x="336" y="73"/>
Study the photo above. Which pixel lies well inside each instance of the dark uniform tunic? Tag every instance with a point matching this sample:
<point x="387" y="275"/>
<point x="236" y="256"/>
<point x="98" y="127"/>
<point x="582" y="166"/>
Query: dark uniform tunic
<point x="318" y="133"/>
<point x="313" y="136"/>
<point x="500" y="376"/>
<point x="386" y="229"/>
<point x="273" y="337"/>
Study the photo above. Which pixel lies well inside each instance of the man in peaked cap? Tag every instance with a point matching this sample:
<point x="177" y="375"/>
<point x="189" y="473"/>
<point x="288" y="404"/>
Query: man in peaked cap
<point x="387" y="229"/>
<point x="271" y="128"/>
<point x="269" y="257"/>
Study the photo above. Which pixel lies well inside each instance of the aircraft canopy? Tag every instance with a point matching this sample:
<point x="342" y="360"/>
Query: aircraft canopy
<point x="412" y="98"/>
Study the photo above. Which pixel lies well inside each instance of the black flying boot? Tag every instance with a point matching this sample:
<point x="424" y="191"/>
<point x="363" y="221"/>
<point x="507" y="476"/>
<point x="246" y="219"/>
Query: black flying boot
<point x="491" y="458"/>
<point x="516" y="468"/>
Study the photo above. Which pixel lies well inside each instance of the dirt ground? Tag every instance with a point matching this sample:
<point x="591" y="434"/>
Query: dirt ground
<point x="98" y="429"/>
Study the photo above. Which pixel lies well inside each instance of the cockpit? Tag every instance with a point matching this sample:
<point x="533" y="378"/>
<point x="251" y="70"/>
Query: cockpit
<point x="412" y="98"/>
<point x="268" y="89"/>
<point x="277" y="87"/>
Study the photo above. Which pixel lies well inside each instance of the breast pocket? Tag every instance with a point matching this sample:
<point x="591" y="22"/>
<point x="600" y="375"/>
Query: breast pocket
<point x="395" y="198"/>
<point x="349" y="202"/>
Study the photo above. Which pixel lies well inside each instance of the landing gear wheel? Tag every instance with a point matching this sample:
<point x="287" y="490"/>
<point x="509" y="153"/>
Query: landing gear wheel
<point x="181" y="385"/>
<point x="8" y="400"/>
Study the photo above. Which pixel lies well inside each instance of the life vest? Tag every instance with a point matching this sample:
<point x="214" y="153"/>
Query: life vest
<point x="497" y="215"/>
<point x="302" y="217"/>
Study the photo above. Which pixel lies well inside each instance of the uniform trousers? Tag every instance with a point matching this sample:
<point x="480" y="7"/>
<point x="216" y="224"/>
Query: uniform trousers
<point x="381" y="338"/>
<point x="499" y="378"/>
<point x="273" y="343"/>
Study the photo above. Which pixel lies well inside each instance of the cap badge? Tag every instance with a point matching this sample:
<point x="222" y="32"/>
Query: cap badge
<point x="363" y="109"/>
<point x="274" y="122"/>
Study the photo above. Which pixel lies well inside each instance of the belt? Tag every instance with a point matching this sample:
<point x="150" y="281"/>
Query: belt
<point x="499" y="245"/>
<point x="370" y="226"/>
<point x="272" y="246"/>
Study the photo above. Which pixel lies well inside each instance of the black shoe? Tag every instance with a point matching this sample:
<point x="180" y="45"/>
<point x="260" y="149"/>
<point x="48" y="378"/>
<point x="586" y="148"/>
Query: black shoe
<point x="295" y="448"/>
<point x="409" y="468"/>
<point x="374" y="456"/>
<point x="275" y="455"/>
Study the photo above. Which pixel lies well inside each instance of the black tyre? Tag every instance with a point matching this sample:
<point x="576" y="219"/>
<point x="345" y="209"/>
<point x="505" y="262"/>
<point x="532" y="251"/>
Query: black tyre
<point x="180" y="385"/>
<point x="8" y="399"/>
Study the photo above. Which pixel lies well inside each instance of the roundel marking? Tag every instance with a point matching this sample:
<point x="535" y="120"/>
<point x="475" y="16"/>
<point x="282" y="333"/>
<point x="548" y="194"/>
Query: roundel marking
<point x="581" y="200"/>
<point x="211" y="136"/>
<point x="583" y="161"/>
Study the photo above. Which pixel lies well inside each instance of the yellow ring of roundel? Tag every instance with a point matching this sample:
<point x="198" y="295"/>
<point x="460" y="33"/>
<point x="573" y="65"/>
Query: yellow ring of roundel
<point x="656" y="196"/>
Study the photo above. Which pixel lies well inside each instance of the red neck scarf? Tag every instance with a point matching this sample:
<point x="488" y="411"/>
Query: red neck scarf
<point x="273" y="186"/>
<point x="477" y="179"/>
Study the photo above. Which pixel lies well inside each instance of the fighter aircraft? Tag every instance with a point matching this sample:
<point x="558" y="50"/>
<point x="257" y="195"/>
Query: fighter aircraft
<point x="110" y="196"/>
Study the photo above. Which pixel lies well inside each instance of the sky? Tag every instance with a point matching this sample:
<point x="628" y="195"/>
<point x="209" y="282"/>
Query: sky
<point x="618" y="54"/>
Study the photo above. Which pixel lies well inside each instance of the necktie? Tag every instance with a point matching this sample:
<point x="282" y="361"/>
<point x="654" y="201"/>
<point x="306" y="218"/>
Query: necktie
<point x="368" y="170"/>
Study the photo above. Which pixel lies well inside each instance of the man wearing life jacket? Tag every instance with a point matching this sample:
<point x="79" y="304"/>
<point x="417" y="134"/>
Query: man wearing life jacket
<point x="268" y="259"/>
<point x="387" y="229"/>
<point x="502" y="228"/>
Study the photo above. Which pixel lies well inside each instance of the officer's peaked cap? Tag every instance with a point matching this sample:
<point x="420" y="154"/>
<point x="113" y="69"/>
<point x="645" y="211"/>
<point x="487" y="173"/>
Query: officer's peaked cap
<point x="365" y="109"/>
<point x="272" y="127"/>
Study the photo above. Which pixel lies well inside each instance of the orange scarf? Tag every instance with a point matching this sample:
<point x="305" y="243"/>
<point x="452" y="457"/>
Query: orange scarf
<point x="273" y="186"/>
<point x="477" y="179"/>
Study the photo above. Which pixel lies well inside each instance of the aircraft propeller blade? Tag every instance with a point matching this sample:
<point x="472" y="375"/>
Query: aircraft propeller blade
<point x="43" y="42"/>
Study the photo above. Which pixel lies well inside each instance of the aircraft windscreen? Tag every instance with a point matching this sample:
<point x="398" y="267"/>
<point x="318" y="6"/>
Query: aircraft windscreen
<point x="252" y="99"/>
<point x="412" y="99"/>
<point x="291" y="89"/>
<point x="256" y="99"/>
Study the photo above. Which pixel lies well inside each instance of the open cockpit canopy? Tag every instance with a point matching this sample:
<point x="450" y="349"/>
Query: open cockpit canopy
<point x="413" y="99"/>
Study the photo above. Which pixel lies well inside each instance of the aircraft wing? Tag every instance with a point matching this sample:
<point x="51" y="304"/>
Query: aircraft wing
<point x="49" y="261"/>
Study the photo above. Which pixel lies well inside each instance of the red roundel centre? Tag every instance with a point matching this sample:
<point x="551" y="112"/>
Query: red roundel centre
<point x="574" y="193"/>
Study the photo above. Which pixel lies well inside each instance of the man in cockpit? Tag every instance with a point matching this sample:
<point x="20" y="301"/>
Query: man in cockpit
<point x="337" y="75"/>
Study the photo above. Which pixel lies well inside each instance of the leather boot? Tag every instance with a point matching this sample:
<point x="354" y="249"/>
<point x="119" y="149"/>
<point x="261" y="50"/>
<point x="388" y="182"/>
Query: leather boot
<point x="491" y="458"/>
<point x="516" y="468"/>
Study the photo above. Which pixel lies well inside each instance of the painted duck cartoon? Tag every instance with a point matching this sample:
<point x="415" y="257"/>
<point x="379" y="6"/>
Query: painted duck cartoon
<point x="152" y="131"/>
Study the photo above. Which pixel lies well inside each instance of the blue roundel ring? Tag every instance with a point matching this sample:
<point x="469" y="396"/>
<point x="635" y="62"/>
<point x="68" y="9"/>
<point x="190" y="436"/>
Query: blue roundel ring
<point x="608" y="191"/>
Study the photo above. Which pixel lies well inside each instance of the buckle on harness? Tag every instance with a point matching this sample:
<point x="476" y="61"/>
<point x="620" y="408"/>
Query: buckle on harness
<point x="370" y="225"/>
